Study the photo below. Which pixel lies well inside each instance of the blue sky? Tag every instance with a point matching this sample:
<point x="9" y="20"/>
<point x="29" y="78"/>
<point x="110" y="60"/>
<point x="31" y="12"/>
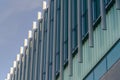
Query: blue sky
<point x="16" y="17"/>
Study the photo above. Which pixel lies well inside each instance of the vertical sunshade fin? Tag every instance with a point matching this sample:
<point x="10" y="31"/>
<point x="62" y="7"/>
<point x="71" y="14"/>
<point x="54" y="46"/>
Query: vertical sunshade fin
<point x="103" y="14"/>
<point x="54" y="42"/>
<point x="24" y="59"/>
<point x="80" y="57"/>
<point x="62" y="40"/>
<point x="70" y="65"/>
<point x="90" y="25"/>
<point x="48" y="42"/>
<point x="20" y="63"/>
<point x="28" y="55"/>
<point x="42" y="48"/>
<point x="37" y="46"/>
<point x="32" y="53"/>
<point x="42" y="41"/>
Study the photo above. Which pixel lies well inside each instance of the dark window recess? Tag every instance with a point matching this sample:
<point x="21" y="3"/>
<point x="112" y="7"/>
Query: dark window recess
<point x="96" y="9"/>
<point x="50" y="72"/>
<point x="74" y="24"/>
<point x="84" y="17"/>
<point x="65" y="30"/>
<point x="107" y="1"/>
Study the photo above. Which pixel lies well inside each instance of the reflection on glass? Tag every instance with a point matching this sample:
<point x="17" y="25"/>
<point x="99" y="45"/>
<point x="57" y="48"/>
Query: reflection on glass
<point x="114" y="55"/>
<point x="100" y="70"/>
<point x="90" y="76"/>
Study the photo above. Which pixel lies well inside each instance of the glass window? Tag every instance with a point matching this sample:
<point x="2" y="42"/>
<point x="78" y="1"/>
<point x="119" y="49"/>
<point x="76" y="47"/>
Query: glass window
<point x="58" y="4"/>
<point x="58" y="32"/>
<point x="84" y="24"/>
<point x="110" y="59"/>
<point x="113" y="56"/>
<point x="52" y="10"/>
<point x="84" y="18"/>
<point x="84" y="6"/>
<point x="74" y="24"/>
<point x="57" y="62"/>
<point x="100" y="70"/>
<point x="107" y="1"/>
<point x="43" y="76"/>
<point x="50" y="71"/>
<point x="65" y="51"/>
<point x="90" y="76"/>
<point x="96" y="9"/>
<point x="65" y="30"/>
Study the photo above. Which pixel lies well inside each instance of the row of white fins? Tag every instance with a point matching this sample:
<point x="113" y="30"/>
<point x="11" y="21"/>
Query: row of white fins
<point x="26" y="42"/>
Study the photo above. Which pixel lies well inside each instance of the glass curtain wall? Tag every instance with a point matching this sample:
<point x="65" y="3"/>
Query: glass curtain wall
<point x="105" y="64"/>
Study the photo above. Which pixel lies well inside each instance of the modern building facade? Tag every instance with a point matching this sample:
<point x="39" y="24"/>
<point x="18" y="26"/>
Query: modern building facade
<point x="72" y="40"/>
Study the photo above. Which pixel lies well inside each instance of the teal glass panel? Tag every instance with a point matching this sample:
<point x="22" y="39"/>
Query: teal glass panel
<point x="114" y="55"/>
<point x="57" y="62"/>
<point x="84" y="18"/>
<point x="43" y="76"/>
<point x="110" y="59"/>
<point x="96" y="9"/>
<point x="90" y="76"/>
<point x="52" y="10"/>
<point x="100" y="70"/>
<point x="58" y="3"/>
<point x="65" y="20"/>
<point x="65" y="51"/>
<point x="50" y="70"/>
<point x="84" y="24"/>
<point x="84" y="6"/>
<point x="107" y="1"/>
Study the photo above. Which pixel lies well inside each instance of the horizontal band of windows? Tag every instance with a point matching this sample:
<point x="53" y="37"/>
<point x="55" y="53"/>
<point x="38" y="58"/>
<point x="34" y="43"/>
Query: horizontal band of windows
<point x="105" y="64"/>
